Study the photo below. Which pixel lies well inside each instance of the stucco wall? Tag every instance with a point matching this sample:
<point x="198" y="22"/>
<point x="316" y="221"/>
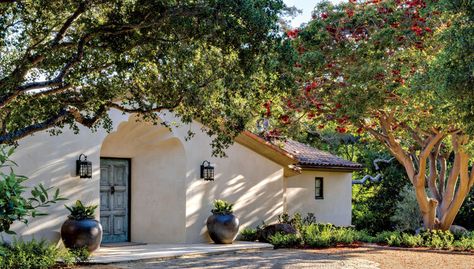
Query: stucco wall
<point x="51" y="160"/>
<point x="253" y="183"/>
<point x="170" y="203"/>
<point x="336" y="206"/>
<point x="157" y="180"/>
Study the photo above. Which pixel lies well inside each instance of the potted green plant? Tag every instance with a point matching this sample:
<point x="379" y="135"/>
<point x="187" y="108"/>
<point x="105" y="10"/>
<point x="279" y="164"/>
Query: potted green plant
<point x="222" y="225"/>
<point x="81" y="230"/>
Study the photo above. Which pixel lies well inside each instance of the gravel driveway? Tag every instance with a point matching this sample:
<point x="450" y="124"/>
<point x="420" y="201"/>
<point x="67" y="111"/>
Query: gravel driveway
<point x="364" y="257"/>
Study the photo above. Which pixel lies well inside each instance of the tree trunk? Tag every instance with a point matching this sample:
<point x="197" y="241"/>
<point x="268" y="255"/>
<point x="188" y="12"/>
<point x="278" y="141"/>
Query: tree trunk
<point x="440" y="211"/>
<point x="449" y="191"/>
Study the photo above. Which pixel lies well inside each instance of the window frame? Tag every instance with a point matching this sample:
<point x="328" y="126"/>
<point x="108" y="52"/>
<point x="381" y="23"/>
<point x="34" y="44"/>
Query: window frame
<point x="319" y="196"/>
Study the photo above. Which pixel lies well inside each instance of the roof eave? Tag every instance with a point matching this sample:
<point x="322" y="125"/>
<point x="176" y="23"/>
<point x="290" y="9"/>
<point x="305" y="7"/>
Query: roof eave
<point x="265" y="148"/>
<point x="332" y="168"/>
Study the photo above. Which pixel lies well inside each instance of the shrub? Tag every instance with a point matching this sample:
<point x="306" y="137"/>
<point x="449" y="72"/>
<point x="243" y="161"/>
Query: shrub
<point x="344" y="236"/>
<point x="383" y="237"/>
<point x="80" y="212"/>
<point x="13" y="205"/>
<point x="222" y="207"/>
<point x="465" y="243"/>
<point x="397" y="239"/>
<point x="364" y="236"/>
<point x="248" y="234"/>
<point x="284" y="218"/>
<point x="297" y="221"/>
<point x="80" y="254"/>
<point x="411" y="241"/>
<point x="33" y="255"/>
<point x="317" y="235"/>
<point x="309" y="219"/>
<point x="438" y="239"/>
<point x="323" y="239"/>
<point x="394" y="239"/>
<point x="407" y="216"/>
<point x="280" y="240"/>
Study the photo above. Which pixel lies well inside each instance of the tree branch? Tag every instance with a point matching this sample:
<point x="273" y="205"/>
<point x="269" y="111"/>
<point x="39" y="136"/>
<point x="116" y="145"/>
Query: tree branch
<point x="395" y="148"/>
<point x="429" y="143"/>
<point x="432" y="179"/>
<point x="141" y="111"/>
<point x="461" y="190"/>
<point x="23" y="132"/>
<point x="59" y="89"/>
<point x="60" y="35"/>
<point x="442" y="176"/>
<point x="453" y="176"/>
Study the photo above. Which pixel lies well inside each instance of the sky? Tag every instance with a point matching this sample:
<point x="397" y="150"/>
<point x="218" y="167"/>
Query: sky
<point x="307" y="7"/>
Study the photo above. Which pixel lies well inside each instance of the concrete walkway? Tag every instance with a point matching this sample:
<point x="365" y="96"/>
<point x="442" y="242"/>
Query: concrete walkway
<point x="131" y="253"/>
<point x="257" y="259"/>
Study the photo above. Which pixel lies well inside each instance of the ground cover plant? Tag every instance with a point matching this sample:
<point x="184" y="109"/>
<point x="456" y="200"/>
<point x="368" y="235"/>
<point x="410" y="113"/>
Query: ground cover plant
<point x="322" y="235"/>
<point x="327" y="235"/>
<point x="38" y="254"/>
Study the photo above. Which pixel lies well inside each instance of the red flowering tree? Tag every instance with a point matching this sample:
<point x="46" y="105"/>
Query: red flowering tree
<point x="400" y="71"/>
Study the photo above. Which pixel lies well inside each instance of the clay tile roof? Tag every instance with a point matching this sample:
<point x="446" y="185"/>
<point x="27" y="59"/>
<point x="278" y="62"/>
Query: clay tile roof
<point x="311" y="157"/>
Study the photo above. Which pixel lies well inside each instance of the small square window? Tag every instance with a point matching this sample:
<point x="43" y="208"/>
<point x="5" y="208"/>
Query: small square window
<point x="318" y="188"/>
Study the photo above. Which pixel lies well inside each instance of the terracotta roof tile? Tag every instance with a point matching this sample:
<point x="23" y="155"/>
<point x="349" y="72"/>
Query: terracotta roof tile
<point x="308" y="156"/>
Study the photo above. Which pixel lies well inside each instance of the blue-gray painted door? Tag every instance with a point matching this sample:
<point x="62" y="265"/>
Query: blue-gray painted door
<point x="114" y="199"/>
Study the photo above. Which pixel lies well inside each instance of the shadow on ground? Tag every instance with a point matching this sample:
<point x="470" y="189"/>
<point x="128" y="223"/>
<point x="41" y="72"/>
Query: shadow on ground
<point x="275" y="259"/>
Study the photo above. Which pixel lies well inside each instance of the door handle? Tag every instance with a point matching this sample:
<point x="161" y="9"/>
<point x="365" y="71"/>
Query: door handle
<point x="112" y="190"/>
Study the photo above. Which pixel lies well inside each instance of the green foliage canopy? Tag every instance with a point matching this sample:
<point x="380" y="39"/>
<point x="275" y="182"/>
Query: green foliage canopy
<point x="361" y="60"/>
<point x="66" y="62"/>
<point x="402" y="71"/>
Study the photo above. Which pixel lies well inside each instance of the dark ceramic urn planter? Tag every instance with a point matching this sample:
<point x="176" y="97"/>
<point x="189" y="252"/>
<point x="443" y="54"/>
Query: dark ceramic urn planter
<point x="82" y="233"/>
<point x="222" y="228"/>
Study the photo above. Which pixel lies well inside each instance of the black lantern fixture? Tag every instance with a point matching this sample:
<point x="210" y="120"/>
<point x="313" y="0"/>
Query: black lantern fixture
<point x="83" y="167"/>
<point x="207" y="171"/>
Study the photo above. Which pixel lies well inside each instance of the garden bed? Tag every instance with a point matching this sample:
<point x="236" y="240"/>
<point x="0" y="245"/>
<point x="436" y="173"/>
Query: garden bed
<point x="317" y="235"/>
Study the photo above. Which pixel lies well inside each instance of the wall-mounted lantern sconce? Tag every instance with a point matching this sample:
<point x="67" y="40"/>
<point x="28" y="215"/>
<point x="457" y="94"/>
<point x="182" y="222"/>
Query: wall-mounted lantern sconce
<point x="83" y="167"/>
<point x="207" y="171"/>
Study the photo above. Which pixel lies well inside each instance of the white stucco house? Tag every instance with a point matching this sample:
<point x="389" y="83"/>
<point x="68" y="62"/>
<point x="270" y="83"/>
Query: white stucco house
<point x="146" y="180"/>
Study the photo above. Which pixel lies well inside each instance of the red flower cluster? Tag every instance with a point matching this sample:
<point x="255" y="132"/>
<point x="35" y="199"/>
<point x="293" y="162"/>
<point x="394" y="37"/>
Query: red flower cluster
<point x="292" y="34"/>
<point x="341" y="130"/>
<point x="350" y="13"/>
<point x="310" y="86"/>
<point x="285" y="119"/>
<point x="311" y="115"/>
<point x="417" y="29"/>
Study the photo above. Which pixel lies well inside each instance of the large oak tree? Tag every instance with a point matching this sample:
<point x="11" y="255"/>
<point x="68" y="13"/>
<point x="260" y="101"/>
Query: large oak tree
<point x="401" y="71"/>
<point x="67" y="62"/>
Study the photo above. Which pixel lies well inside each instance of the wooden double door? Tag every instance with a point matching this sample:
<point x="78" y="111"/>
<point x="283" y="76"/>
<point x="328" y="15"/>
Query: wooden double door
<point x="115" y="199"/>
